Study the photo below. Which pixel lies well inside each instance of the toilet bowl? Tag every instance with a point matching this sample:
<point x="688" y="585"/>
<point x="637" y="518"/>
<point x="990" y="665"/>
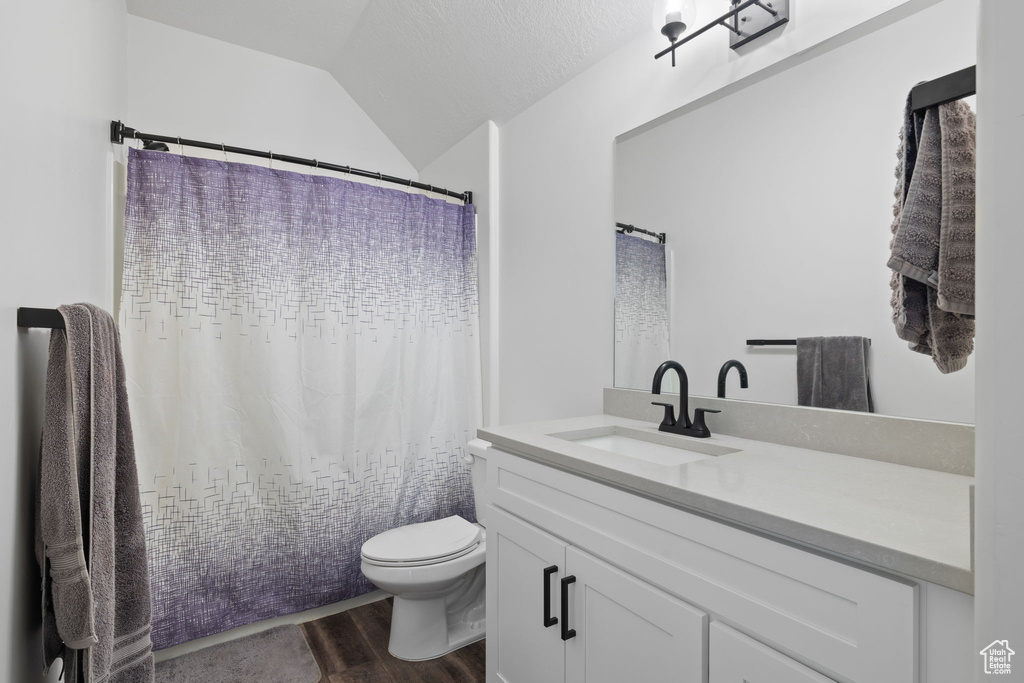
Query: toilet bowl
<point x="435" y="571"/>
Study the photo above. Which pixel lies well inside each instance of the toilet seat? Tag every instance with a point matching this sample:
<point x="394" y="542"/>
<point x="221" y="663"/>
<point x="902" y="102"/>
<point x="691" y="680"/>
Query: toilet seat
<point x="422" y="544"/>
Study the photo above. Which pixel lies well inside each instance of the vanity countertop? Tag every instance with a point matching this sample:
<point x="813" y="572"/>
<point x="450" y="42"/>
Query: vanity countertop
<point x="908" y="520"/>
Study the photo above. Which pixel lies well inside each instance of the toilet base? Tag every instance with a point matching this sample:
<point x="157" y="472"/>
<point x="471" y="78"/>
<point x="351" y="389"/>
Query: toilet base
<point x="429" y="627"/>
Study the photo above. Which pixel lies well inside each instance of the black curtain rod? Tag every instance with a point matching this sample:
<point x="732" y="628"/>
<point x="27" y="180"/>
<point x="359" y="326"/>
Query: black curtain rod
<point x="119" y="131"/>
<point x="626" y="227"/>
<point x="954" y="86"/>
<point x="49" y="318"/>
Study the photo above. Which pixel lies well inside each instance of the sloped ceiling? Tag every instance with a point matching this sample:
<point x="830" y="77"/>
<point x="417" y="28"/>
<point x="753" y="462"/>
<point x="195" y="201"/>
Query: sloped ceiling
<point x="428" y="72"/>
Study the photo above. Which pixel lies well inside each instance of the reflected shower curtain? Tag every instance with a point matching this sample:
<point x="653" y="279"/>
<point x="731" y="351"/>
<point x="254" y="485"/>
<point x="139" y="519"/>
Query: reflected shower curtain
<point x="303" y="371"/>
<point x="641" y="312"/>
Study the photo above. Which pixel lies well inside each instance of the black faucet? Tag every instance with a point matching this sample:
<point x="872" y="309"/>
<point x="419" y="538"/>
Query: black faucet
<point x="726" y="366"/>
<point x="696" y="428"/>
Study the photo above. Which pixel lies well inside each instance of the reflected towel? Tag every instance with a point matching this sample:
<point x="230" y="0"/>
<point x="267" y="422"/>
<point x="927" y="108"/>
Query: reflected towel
<point x="832" y="372"/>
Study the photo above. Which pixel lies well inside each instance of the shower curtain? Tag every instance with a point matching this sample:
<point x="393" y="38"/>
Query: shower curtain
<point x="641" y="312"/>
<point x="304" y="372"/>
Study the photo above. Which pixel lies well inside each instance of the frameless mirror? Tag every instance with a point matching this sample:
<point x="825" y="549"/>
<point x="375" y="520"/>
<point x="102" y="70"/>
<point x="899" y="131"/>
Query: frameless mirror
<point x="777" y="202"/>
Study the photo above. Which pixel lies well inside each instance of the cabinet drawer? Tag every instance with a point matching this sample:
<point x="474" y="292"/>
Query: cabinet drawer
<point x="735" y="658"/>
<point x="857" y="624"/>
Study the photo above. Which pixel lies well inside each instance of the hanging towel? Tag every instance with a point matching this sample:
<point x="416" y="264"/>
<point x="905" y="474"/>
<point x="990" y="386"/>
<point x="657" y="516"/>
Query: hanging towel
<point x="832" y="372"/>
<point x="89" y="534"/>
<point x="909" y="297"/>
<point x="932" y="250"/>
<point x="954" y="278"/>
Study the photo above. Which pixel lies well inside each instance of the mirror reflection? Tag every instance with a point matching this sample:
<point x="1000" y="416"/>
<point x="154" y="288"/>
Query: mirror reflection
<point x="777" y="204"/>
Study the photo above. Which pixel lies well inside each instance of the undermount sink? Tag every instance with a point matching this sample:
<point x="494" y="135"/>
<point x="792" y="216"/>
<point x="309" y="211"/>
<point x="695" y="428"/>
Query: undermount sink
<point x="656" y="447"/>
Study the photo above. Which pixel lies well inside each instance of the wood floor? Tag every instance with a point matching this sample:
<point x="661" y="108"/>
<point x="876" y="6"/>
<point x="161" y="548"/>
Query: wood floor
<point x="353" y="646"/>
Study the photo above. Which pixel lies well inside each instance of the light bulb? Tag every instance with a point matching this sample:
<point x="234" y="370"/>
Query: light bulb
<point x="673" y="17"/>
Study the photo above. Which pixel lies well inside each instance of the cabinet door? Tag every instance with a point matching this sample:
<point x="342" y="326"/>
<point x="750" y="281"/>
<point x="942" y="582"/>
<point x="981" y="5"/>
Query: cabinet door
<point x="627" y="630"/>
<point x="523" y="644"/>
<point x="735" y="658"/>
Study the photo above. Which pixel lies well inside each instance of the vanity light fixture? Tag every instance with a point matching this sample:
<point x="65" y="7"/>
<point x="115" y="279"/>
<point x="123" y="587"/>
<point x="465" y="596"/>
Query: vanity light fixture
<point x="747" y="20"/>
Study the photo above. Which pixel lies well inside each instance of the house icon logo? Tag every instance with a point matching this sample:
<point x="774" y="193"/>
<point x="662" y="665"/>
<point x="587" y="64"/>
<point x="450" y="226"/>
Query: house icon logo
<point x="997" y="657"/>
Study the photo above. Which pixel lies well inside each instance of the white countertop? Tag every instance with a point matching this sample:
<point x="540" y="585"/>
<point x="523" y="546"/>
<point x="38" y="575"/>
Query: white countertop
<point x="908" y="520"/>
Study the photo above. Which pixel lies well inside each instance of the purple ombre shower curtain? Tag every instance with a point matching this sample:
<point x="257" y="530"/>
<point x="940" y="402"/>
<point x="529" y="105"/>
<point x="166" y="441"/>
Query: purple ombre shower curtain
<point x="641" y="312"/>
<point x="304" y="372"/>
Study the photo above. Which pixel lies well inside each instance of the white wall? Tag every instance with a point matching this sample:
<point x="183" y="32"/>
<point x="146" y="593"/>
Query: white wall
<point x="62" y="79"/>
<point x="186" y="84"/>
<point x="557" y="185"/>
<point x="777" y="202"/>
<point x="472" y="164"/>
<point x="999" y="468"/>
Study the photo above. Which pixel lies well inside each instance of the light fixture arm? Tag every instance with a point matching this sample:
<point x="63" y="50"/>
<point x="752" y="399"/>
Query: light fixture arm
<point x="777" y="14"/>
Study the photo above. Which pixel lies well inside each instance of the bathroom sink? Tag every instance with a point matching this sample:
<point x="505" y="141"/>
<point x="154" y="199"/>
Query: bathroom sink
<point x="654" y="447"/>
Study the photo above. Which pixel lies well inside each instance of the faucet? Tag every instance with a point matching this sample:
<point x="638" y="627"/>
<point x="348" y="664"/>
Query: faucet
<point x="726" y="366"/>
<point x="697" y="428"/>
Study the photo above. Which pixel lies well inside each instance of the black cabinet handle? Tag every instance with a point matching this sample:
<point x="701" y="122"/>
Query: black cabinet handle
<point x="548" y="620"/>
<point x="567" y="632"/>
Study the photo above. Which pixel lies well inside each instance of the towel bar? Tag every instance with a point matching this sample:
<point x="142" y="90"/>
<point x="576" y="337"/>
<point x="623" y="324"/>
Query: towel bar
<point x="49" y="318"/>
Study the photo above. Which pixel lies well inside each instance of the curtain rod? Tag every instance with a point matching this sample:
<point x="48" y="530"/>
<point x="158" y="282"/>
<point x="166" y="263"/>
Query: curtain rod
<point x="119" y="131"/>
<point x="626" y="227"/>
<point x="954" y="86"/>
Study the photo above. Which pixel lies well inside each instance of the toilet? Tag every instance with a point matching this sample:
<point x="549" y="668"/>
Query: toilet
<point x="435" y="570"/>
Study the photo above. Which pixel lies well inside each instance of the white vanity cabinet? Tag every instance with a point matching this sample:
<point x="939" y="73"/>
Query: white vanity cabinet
<point x="736" y="658"/>
<point x="560" y="614"/>
<point x="653" y="583"/>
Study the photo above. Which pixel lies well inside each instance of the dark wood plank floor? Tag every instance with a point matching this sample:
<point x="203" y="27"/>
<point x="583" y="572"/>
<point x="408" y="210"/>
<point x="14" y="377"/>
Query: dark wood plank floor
<point x="353" y="646"/>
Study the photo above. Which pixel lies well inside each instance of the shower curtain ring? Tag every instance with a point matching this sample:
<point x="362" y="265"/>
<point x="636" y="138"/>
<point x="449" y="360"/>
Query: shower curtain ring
<point x="181" y="147"/>
<point x="271" y="159"/>
<point x="223" y="148"/>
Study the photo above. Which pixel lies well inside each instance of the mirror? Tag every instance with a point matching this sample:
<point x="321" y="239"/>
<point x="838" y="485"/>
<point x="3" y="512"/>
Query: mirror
<point x="777" y="202"/>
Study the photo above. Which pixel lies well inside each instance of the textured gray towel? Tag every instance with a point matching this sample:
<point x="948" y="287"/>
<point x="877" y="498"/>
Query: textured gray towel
<point x="955" y="276"/>
<point x="933" y="235"/>
<point x="90" y="539"/>
<point x="832" y="372"/>
<point x="909" y="297"/>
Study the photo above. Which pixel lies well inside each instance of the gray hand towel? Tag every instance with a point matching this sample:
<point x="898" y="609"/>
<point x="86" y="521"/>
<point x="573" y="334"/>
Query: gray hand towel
<point x="832" y="372"/>
<point x="915" y="246"/>
<point x="955" y="272"/>
<point x="909" y="297"/>
<point x="932" y="250"/>
<point x="90" y="536"/>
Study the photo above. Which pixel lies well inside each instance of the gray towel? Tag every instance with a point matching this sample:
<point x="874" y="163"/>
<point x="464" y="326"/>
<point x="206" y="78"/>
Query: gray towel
<point x="909" y="297"/>
<point x="955" y="272"/>
<point x="933" y="235"/>
<point x="90" y="541"/>
<point x="832" y="372"/>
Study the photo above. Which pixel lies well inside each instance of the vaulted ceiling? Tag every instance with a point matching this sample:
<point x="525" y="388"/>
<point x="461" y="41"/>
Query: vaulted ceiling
<point x="428" y="72"/>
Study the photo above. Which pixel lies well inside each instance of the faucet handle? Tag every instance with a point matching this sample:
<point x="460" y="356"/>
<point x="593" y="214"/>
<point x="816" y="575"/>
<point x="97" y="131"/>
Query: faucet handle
<point x="698" y="417"/>
<point x="670" y="413"/>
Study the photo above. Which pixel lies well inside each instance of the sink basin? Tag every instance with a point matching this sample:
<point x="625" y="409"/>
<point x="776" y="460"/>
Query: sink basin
<point x="654" y="447"/>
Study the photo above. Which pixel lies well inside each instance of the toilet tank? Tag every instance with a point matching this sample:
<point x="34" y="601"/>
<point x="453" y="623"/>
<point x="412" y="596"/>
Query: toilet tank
<point x="477" y="458"/>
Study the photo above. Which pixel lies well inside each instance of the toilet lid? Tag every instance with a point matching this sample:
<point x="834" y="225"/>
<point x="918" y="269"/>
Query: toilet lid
<point x="423" y="542"/>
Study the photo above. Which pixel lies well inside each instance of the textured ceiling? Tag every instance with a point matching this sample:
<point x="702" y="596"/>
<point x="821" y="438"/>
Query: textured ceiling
<point x="307" y="31"/>
<point x="428" y="72"/>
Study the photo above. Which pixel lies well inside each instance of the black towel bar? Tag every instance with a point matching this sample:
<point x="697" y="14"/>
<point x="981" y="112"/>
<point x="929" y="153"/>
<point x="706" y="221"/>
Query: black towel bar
<point x="49" y="318"/>
<point x="771" y="342"/>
